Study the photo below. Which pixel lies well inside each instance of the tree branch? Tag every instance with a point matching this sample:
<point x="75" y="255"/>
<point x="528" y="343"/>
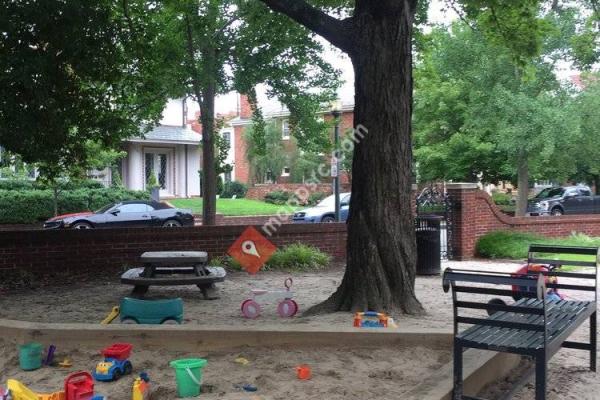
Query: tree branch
<point x="336" y="31"/>
<point x="192" y="60"/>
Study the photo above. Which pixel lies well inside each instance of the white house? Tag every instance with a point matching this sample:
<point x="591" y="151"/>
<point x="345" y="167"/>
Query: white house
<point x="171" y="152"/>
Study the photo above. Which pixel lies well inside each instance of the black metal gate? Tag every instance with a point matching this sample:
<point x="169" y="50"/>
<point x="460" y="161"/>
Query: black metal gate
<point x="434" y="200"/>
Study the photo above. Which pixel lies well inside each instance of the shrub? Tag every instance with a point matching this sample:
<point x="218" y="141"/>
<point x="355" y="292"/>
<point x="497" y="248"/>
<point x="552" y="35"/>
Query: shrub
<point x="17" y="184"/>
<point x="298" y="257"/>
<point x="502" y="199"/>
<point x="226" y="262"/>
<point x="278" y="197"/>
<point x="234" y="188"/>
<point x="316" y="197"/>
<point x="219" y="185"/>
<point x="31" y="206"/>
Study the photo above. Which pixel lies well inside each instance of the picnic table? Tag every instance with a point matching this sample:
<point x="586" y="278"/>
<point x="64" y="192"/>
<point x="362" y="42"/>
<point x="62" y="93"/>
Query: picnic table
<point x="168" y="268"/>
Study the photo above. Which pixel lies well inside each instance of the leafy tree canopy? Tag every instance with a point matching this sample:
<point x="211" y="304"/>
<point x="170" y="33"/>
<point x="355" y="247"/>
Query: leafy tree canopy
<point x="74" y="72"/>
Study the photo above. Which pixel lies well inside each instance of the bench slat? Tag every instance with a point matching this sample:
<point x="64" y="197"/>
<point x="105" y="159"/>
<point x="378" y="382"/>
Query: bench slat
<point x="494" y="291"/>
<point x="574" y="263"/>
<point x="542" y="248"/>
<point x="500" y="307"/>
<point x="499" y="323"/>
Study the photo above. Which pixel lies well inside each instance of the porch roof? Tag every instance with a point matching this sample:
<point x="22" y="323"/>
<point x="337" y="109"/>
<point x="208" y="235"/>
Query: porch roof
<point x="170" y="134"/>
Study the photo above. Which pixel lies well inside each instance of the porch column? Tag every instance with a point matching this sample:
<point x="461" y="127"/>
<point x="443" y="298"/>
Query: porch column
<point x="135" y="167"/>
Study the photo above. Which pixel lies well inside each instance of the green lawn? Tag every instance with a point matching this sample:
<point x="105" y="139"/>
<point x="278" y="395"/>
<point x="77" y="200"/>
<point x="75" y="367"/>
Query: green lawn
<point x="232" y="207"/>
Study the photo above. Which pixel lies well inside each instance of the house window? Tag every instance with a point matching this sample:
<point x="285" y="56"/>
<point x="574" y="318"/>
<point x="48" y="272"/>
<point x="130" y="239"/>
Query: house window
<point x="228" y="176"/>
<point x="285" y="129"/>
<point x="227" y="138"/>
<point x="286" y="171"/>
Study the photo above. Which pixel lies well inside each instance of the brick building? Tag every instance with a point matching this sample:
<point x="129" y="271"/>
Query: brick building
<point x="281" y="119"/>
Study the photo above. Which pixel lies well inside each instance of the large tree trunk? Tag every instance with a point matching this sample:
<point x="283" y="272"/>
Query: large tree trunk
<point x="209" y="175"/>
<point x="381" y="249"/>
<point x="596" y="179"/>
<point x="522" y="184"/>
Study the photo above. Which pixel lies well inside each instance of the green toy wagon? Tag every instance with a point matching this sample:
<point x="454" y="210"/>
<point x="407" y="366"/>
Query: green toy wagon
<point x="151" y="311"/>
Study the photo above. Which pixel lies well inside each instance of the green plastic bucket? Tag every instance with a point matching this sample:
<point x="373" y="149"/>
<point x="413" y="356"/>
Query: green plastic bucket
<point x="188" y="375"/>
<point x="30" y="356"/>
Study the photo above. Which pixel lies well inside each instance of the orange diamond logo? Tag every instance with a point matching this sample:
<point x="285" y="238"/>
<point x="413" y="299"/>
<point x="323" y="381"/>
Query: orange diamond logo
<point x="252" y="250"/>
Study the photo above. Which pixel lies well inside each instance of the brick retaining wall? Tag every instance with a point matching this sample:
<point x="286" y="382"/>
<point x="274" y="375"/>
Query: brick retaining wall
<point x="244" y="219"/>
<point x="475" y="214"/>
<point x="39" y="255"/>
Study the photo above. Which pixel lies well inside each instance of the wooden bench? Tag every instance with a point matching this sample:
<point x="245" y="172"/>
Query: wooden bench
<point x="167" y="268"/>
<point x="536" y="325"/>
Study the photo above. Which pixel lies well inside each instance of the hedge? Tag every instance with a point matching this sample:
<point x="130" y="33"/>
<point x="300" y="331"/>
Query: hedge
<point x="31" y="206"/>
<point x="234" y="188"/>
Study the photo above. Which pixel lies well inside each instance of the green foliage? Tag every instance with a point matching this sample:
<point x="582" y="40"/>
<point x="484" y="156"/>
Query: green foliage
<point x="75" y="72"/>
<point x="151" y="182"/>
<point x="477" y="113"/>
<point x="514" y="245"/>
<point x="268" y="161"/>
<point x="298" y="257"/>
<point x="316" y="197"/>
<point x="221" y="153"/>
<point x="17" y="184"/>
<point x="304" y="165"/>
<point x="219" y="185"/>
<point x="30" y="206"/>
<point x="234" y="188"/>
<point x="294" y="257"/>
<point x="586" y="147"/>
<point x="226" y="262"/>
<point x="278" y="197"/>
<point x="268" y="156"/>
<point x="116" y="180"/>
<point x="502" y="199"/>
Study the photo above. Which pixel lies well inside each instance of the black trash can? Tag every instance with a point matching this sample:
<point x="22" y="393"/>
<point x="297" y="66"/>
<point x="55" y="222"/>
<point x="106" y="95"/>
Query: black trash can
<point x="429" y="252"/>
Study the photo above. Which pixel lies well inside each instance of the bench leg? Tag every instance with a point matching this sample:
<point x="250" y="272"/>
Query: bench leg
<point x="540" y="375"/>
<point x="593" y="340"/>
<point x="458" y="372"/>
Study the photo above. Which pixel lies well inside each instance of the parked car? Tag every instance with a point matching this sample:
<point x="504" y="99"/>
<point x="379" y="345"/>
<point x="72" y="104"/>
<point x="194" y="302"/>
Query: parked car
<point x="324" y="211"/>
<point x="564" y="200"/>
<point x="126" y="214"/>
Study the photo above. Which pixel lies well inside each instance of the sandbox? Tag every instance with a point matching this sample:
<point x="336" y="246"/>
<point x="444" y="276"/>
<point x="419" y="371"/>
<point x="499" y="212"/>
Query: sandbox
<point x="410" y="362"/>
<point x="346" y="364"/>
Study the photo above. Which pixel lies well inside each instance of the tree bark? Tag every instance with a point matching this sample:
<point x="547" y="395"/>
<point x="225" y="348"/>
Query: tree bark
<point x="596" y="184"/>
<point x="522" y="184"/>
<point x="209" y="174"/>
<point x="381" y="248"/>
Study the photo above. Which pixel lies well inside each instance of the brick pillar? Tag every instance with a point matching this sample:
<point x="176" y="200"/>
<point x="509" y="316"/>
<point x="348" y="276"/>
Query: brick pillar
<point x="463" y="225"/>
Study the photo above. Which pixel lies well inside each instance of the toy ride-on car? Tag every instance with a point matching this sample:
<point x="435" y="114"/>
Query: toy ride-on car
<point x="531" y="271"/>
<point x="115" y="364"/>
<point x="286" y="306"/>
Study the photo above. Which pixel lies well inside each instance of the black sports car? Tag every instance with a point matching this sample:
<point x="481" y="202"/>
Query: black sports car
<point x="126" y="214"/>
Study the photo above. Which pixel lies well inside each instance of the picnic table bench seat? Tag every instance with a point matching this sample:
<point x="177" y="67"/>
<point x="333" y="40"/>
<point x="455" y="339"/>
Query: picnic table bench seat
<point x="166" y="268"/>
<point x="534" y="325"/>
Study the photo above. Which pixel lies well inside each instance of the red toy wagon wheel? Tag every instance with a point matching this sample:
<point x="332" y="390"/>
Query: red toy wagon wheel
<point x="287" y="308"/>
<point x="250" y="309"/>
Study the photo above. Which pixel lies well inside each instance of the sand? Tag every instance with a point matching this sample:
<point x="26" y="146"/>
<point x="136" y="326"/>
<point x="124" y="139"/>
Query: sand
<point x="361" y="374"/>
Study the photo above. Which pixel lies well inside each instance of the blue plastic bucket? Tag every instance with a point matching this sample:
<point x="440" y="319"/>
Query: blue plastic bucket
<point x="30" y="356"/>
